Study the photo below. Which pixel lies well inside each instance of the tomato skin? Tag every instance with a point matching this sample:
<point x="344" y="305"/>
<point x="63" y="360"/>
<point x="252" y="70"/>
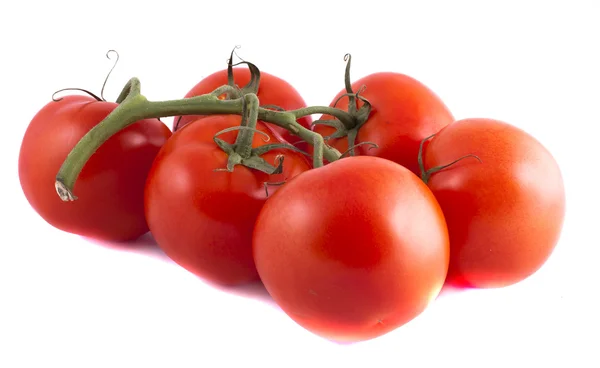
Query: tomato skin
<point x="505" y="214"/>
<point x="352" y="250"/>
<point x="201" y="218"/>
<point x="272" y="91"/>
<point x="110" y="204"/>
<point x="404" y="112"/>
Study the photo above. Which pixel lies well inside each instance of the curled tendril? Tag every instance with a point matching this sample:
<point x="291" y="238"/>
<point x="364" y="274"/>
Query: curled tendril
<point x="347" y="82"/>
<point x="230" y="80"/>
<point x="108" y="53"/>
<point x="373" y="145"/>
<point x="98" y="98"/>
<point x="234" y="52"/>
<point x="230" y="59"/>
<point x="266" y="139"/>
<point x="74" y="89"/>
<point x="252" y="85"/>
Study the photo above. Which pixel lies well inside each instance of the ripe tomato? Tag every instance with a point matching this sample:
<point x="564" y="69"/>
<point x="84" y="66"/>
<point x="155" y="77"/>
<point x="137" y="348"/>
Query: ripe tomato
<point x="202" y="218"/>
<point x="352" y="250"/>
<point x="505" y="214"/>
<point x="272" y="90"/>
<point x="404" y="112"/>
<point x="111" y="184"/>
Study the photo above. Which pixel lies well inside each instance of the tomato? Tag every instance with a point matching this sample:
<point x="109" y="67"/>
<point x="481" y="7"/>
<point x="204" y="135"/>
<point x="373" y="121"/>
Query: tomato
<point x="404" y="112"/>
<point x="110" y="204"/>
<point x="202" y="218"/>
<point x="352" y="250"/>
<point x="504" y="214"/>
<point x="272" y="91"/>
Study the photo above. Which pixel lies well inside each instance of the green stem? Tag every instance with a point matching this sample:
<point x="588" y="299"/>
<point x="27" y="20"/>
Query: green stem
<point x="288" y="121"/>
<point x="132" y="88"/>
<point x="347" y="119"/>
<point x="133" y="106"/>
<point x="318" y="151"/>
<point x="243" y="143"/>
<point x="231" y="91"/>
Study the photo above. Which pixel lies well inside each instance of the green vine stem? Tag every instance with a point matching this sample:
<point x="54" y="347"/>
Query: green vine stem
<point x="133" y="106"/>
<point x="359" y="116"/>
<point x="241" y="152"/>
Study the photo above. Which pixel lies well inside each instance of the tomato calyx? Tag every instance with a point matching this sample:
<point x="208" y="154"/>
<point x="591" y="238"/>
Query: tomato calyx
<point x="426" y="174"/>
<point x="241" y="151"/>
<point x="359" y="115"/>
<point x="253" y="160"/>
<point x="232" y="91"/>
<point x="252" y="85"/>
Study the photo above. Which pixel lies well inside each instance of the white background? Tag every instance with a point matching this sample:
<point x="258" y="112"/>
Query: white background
<point x="68" y="302"/>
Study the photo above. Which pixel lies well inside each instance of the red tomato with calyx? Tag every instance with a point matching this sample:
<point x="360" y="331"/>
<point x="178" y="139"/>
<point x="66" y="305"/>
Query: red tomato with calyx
<point x="352" y="250"/>
<point x="404" y="112"/>
<point x="504" y="214"/>
<point x="272" y="90"/>
<point x="110" y="204"/>
<point x="202" y="218"/>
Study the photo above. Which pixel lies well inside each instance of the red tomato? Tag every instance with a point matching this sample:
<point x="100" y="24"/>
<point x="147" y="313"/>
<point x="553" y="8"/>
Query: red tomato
<point x="272" y="91"/>
<point x="352" y="250"/>
<point x="505" y="214"/>
<point x="111" y="184"/>
<point x="202" y="218"/>
<point x="404" y="112"/>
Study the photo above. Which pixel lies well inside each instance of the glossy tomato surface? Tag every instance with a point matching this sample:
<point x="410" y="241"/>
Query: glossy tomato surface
<point x="202" y="218"/>
<point x="404" y="112"/>
<point x="110" y="188"/>
<point x="354" y="249"/>
<point x="272" y="90"/>
<point x="505" y="214"/>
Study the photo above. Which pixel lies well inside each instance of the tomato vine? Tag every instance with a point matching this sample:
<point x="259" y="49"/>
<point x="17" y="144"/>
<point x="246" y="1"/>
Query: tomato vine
<point x="134" y="106"/>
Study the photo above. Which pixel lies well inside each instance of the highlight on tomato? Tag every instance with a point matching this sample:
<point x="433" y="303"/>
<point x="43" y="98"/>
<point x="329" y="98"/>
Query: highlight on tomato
<point x="504" y="210"/>
<point x="352" y="250"/>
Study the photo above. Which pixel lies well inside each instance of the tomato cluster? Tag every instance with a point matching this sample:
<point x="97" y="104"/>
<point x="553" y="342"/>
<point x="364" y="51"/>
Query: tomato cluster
<point x="350" y="249"/>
